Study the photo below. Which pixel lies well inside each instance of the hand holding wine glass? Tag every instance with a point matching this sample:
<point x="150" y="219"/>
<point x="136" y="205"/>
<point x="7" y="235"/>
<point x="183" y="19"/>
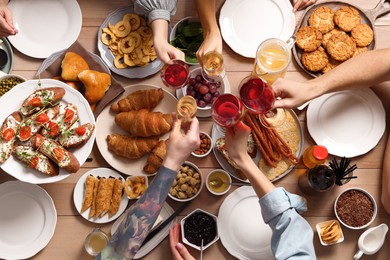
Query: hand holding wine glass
<point x="213" y="67"/>
<point x="175" y="74"/>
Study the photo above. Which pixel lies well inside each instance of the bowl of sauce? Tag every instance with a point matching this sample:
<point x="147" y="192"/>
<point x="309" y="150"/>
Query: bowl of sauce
<point x="218" y="182"/>
<point x="198" y="225"/>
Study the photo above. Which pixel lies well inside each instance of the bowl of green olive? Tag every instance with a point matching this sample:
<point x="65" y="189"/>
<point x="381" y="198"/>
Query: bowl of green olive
<point x="8" y="81"/>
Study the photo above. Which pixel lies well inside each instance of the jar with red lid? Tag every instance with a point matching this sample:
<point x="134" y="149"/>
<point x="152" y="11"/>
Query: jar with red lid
<point x="314" y="155"/>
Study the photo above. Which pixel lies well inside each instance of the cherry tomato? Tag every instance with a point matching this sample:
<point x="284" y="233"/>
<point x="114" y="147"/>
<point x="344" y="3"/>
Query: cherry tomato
<point x="42" y="118"/>
<point x="69" y="114"/>
<point x="58" y="153"/>
<point x="25" y="132"/>
<point x="54" y="129"/>
<point x="33" y="163"/>
<point x="35" y="102"/>
<point x="39" y="140"/>
<point x="80" y="131"/>
<point x="8" y="134"/>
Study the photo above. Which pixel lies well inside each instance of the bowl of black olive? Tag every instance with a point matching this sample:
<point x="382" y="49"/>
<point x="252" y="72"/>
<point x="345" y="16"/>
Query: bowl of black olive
<point x="197" y="226"/>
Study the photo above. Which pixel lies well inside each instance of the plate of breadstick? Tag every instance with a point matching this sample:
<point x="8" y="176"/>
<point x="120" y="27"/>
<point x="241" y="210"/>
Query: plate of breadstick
<point x="276" y="150"/>
<point x="98" y="195"/>
<point x="131" y="132"/>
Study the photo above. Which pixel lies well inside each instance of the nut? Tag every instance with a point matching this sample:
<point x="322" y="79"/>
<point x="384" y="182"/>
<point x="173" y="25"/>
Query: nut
<point x="205" y="144"/>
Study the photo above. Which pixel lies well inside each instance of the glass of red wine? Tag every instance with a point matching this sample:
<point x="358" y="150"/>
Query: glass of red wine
<point x="175" y="74"/>
<point x="226" y="111"/>
<point x="258" y="97"/>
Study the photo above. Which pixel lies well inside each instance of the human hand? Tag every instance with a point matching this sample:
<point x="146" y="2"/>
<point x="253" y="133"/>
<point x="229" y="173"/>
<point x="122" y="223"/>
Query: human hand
<point x="236" y="142"/>
<point x="302" y="4"/>
<point x="179" y="251"/>
<point x="292" y="94"/>
<point x="6" y="21"/>
<point x="182" y="141"/>
<point x="211" y="42"/>
<point x="167" y="52"/>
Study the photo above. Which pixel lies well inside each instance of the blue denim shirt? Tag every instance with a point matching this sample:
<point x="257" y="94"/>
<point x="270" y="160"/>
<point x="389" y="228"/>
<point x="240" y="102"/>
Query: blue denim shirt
<point x="292" y="236"/>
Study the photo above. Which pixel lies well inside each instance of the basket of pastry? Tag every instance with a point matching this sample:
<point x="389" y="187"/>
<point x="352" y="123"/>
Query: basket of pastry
<point x="44" y="131"/>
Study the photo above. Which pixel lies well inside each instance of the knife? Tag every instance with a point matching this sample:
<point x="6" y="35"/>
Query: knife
<point x="163" y="224"/>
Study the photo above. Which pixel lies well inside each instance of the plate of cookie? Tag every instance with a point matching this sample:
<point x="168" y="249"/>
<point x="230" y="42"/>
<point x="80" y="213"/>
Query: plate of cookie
<point x="332" y="32"/>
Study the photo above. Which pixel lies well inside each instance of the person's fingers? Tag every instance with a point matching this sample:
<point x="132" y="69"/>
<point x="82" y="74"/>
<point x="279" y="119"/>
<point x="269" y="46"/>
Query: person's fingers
<point x="183" y="251"/>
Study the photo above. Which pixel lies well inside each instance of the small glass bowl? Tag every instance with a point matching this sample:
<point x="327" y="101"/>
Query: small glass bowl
<point x="224" y="176"/>
<point x="321" y="224"/>
<point x="199" y="152"/>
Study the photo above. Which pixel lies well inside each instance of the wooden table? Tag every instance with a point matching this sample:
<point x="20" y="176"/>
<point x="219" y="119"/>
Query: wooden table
<point x="71" y="229"/>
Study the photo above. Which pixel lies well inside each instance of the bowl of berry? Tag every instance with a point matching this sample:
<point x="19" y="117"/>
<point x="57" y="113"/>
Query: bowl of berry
<point x="204" y="91"/>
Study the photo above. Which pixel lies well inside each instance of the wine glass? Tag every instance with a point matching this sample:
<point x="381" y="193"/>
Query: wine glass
<point x="213" y="67"/>
<point x="226" y="111"/>
<point x="259" y="97"/>
<point x="186" y="109"/>
<point x="175" y="74"/>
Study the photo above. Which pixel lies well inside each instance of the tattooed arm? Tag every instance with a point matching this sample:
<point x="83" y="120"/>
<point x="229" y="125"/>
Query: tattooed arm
<point x="140" y="217"/>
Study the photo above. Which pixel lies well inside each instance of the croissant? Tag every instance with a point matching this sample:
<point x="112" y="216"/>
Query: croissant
<point x="129" y="146"/>
<point x="144" y="123"/>
<point x="72" y="65"/>
<point x="95" y="83"/>
<point x="147" y="98"/>
<point x="156" y="157"/>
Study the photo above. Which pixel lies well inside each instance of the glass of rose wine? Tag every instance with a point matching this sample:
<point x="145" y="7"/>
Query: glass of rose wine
<point x="258" y="97"/>
<point x="213" y="67"/>
<point x="175" y="74"/>
<point x="226" y="111"/>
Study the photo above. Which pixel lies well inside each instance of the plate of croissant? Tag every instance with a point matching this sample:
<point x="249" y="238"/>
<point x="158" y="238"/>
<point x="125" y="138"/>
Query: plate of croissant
<point x="132" y="132"/>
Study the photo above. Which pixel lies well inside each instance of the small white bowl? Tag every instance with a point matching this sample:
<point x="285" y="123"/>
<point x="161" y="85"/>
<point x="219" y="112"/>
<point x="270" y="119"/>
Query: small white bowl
<point x="373" y="204"/>
<point x="132" y="178"/>
<point x="321" y="224"/>
<point x="172" y="35"/>
<point x="201" y="155"/>
<point x="184" y="231"/>
<point x="224" y="175"/>
<point x="196" y="181"/>
<point x="7" y="77"/>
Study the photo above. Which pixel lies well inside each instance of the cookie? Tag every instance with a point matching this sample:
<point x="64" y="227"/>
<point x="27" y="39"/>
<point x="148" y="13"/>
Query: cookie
<point x="315" y="60"/>
<point x="308" y="38"/>
<point x="359" y="50"/>
<point x="332" y="63"/>
<point x="326" y="36"/>
<point x="346" y="18"/>
<point x="322" y="19"/>
<point x="362" y="35"/>
<point x="341" y="47"/>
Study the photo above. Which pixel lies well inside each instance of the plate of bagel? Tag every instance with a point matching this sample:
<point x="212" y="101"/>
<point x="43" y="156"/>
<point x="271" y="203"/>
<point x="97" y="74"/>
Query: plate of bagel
<point x="132" y="131"/>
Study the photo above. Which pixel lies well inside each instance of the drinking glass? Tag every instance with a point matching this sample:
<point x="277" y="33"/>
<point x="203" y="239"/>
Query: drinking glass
<point x="272" y="59"/>
<point x="95" y="241"/>
<point x="226" y="111"/>
<point x="259" y="97"/>
<point x="186" y="109"/>
<point x="175" y="74"/>
<point x="213" y="68"/>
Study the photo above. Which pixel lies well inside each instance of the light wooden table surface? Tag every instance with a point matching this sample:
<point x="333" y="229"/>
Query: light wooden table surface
<point x="71" y="229"/>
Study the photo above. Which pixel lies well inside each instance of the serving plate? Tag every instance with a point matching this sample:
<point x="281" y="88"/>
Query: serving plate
<point x="348" y="123"/>
<point x="5" y="45"/>
<point x="246" y="23"/>
<point x="105" y="125"/>
<point x="107" y="56"/>
<point x="13" y="99"/>
<point x="45" y="26"/>
<point x="78" y="195"/>
<point x="241" y="228"/>
<point x="27" y="221"/>
<point x="166" y="212"/>
<point x="367" y="17"/>
<point x="216" y="133"/>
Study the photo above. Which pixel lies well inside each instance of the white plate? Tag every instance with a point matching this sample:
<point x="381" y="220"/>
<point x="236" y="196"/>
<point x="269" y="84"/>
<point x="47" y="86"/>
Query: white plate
<point x="107" y="56"/>
<point x="105" y="125"/>
<point x="45" y="26"/>
<point x="241" y="227"/>
<point x="78" y="194"/>
<point x="246" y="23"/>
<point x="27" y="220"/>
<point x="216" y="133"/>
<point x="47" y="62"/>
<point x="165" y="212"/>
<point x="206" y="112"/>
<point x="13" y="99"/>
<point x="348" y="123"/>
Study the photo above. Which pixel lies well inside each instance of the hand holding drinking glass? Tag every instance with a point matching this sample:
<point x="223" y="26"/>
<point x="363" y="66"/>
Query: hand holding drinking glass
<point x="227" y="110"/>
<point x="213" y="67"/>
<point x="175" y="74"/>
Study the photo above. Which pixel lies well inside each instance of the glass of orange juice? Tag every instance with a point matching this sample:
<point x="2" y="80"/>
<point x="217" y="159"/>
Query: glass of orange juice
<point x="272" y="59"/>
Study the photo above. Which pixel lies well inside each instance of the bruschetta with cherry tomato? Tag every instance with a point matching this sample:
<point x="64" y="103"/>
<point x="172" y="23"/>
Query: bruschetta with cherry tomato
<point x="8" y="135"/>
<point x="41" y="98"/>
<point x="61" y="122"/>
<point x="76" y="136"/>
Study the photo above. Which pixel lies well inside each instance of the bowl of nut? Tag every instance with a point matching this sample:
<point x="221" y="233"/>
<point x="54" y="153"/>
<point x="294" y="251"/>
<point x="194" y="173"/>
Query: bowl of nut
<point x="355" y="208"/>
<point x="205" y="147"/>
<point x="8" y="81"/>
<point x="188" y="183"/>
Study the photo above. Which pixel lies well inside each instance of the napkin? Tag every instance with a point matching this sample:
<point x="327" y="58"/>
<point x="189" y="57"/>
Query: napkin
<point x="54" y="69"/>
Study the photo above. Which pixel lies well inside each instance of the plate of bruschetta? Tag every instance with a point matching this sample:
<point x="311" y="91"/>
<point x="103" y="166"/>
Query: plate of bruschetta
<point x="47" y="131"/>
